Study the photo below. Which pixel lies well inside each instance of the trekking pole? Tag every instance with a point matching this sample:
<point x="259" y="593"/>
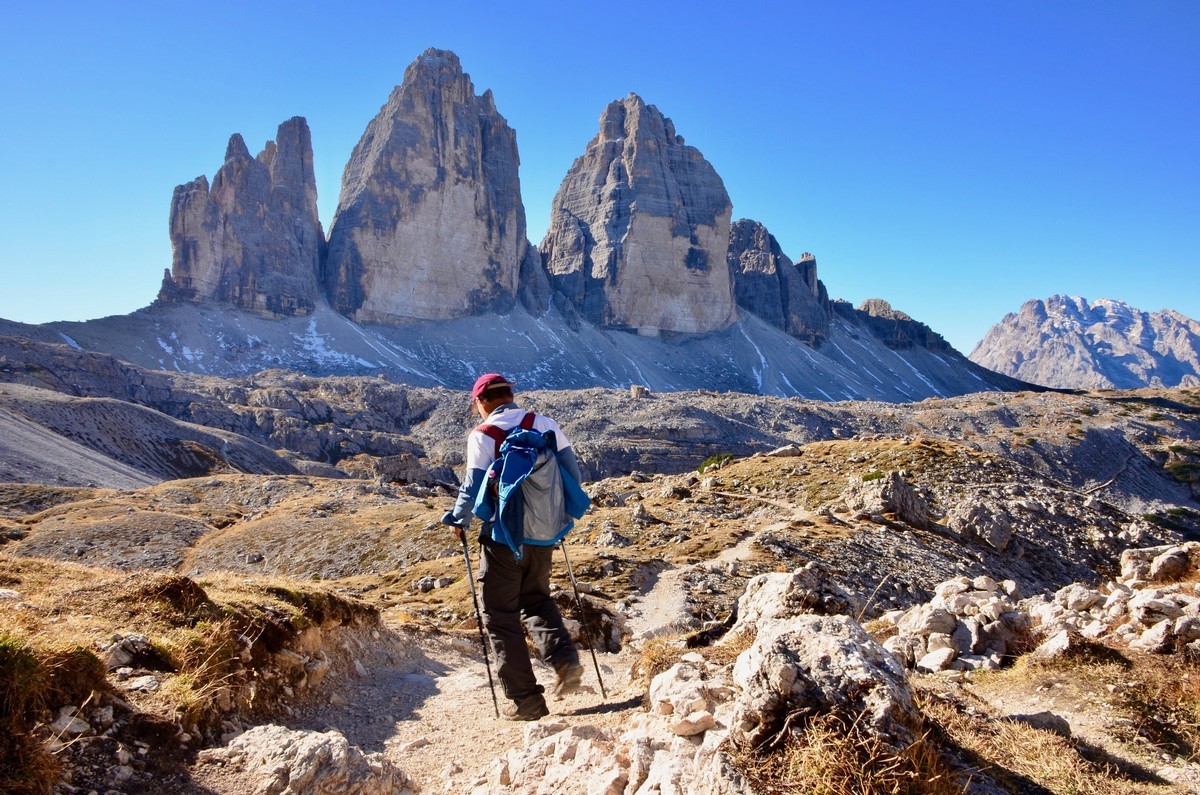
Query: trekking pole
<point x="583" y="619"/>
<point x="479" y="619"/>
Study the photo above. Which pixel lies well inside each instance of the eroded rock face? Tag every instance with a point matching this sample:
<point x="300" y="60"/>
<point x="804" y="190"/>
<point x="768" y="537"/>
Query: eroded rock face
<point x="639" y="229"/>
<point x="812" y="664"/>
<point x="254" y="240"/>
<point x="896" y="329"/>
<point x="768" y="284"/>
<point x="1069" y="342"/>
<point x="430" y="223"/>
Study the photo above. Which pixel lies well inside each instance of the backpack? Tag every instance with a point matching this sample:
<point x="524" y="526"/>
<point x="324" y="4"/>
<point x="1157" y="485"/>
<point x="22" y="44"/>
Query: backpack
<point x="528" y="496"/>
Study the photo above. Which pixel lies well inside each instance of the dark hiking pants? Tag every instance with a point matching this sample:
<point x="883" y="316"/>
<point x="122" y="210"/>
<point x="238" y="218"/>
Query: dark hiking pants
<point x="516" y="591"/>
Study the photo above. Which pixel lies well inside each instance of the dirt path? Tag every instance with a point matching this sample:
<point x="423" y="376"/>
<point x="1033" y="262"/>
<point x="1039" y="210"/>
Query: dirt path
<point x="422" y="698"/>
<point x="425" y="704"/>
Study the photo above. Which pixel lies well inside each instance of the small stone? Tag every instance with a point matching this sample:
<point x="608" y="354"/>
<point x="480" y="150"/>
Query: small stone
<point x="146" y="684"/>
<point x="694" y="723"/>
<point x="1046" y="721"/>
<point x="67" y="724"/>
<point x="938" y="660"/>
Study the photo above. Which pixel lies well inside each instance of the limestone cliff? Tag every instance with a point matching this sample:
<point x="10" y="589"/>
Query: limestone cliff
<point x="1071" y="343"/>
<point x="892" y="327"/>
<point x="430" y="223"/>
<point x="254" y="240"/>
<point x="768" y="284"/>
<point x="639" y="229"/>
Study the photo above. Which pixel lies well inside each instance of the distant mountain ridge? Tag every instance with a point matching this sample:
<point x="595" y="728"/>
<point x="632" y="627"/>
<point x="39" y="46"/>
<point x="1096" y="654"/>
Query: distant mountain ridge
<point x="427" y="275"/>
<point x="1068" y="342"/>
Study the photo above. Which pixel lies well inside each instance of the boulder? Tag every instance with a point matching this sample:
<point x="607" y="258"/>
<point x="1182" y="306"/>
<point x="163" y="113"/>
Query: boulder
<point x="1170" y="566"/>
<point x="808" y="589"/>
<point x="938" y="660"/>
<point x="639" y="229"/>
<point x="987" y="522"/>
<point x="282" y="761"/>
<point x="1157" y="639"/>
<point x="808" y="665"/>
<point x="890" y="493"/>
<point x="679" y="691"/>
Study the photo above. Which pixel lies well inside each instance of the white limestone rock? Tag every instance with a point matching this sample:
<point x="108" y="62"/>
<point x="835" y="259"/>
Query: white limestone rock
<point x="282" y="761"/>
<point x="430" y="223"/>
<point x="639" y="229"/>
<point x="817" y="664"/>
<point x="808" y="589"/>
<point x="680" y="690"/>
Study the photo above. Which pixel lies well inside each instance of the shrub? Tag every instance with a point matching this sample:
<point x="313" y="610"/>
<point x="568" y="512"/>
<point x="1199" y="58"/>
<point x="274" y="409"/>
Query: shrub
<point x="714" y="462"/>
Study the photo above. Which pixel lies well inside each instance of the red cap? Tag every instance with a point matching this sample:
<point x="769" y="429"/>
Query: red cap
<point x="487" y="381"/>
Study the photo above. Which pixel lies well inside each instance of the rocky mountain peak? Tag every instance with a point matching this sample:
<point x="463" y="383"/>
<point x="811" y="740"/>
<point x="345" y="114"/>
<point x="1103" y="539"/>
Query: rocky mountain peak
<point x="236" y="149"/>
<point x="894" y="328"/>
<point x="430" y="223"/>
<point x="768" y="284"/>
<point x="254" y="241"/>
<point x="1069" y="342"/>
<point x="639" y="229"/>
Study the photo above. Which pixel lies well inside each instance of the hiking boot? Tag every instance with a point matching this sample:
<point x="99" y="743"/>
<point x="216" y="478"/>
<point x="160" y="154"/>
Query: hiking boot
<point x="570" y="674"/>
<point x="529" y="709"/>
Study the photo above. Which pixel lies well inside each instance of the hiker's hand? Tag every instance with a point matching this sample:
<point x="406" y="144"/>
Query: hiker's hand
<point x="448" y="519"/>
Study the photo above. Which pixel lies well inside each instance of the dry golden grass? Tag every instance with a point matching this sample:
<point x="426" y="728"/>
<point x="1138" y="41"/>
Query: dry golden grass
<point x="729" y="648"/>
<point x="835" y="756"/>
<point x="35" y="676"/>
<point x="657" y="655"/>
<point x="198" y="632"/>
<point x="1020" y="757"/>
<point x="1161" y="695"/>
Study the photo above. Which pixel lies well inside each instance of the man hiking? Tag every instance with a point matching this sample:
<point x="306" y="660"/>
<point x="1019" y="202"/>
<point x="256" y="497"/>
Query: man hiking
<point x="515" y="588"/>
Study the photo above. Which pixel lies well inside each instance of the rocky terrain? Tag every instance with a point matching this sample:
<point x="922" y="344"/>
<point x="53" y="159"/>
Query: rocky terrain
<point x="428" y="276"/>
<point x="1072" y="343"/>
<point x="256" y="588"/>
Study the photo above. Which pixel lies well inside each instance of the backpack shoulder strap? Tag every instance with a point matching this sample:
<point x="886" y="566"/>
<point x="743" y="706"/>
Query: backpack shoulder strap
<point x="498" y="436"/>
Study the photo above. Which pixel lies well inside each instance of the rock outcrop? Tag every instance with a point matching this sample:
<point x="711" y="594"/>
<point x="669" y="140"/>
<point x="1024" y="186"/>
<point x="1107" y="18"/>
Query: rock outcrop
<point x="639" y="229"/>
<point x="892" y="327"/>
<point x="768" y="284"/>
<point x="430" y="223"/>
<point x="1069" y="343"/>
<point x="274" y="760"/>
<point x="254" y="240"/>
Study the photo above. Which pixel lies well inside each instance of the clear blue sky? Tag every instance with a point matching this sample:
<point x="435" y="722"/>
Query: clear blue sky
<point x="955" y="158"/>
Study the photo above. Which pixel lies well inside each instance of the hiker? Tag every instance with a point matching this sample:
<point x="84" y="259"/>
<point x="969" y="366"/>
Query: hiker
<point x="515" y="589"/>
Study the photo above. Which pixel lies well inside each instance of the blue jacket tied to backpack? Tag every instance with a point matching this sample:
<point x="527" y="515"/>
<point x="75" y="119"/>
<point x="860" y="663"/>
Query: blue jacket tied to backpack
<point x="529" y="497"/>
